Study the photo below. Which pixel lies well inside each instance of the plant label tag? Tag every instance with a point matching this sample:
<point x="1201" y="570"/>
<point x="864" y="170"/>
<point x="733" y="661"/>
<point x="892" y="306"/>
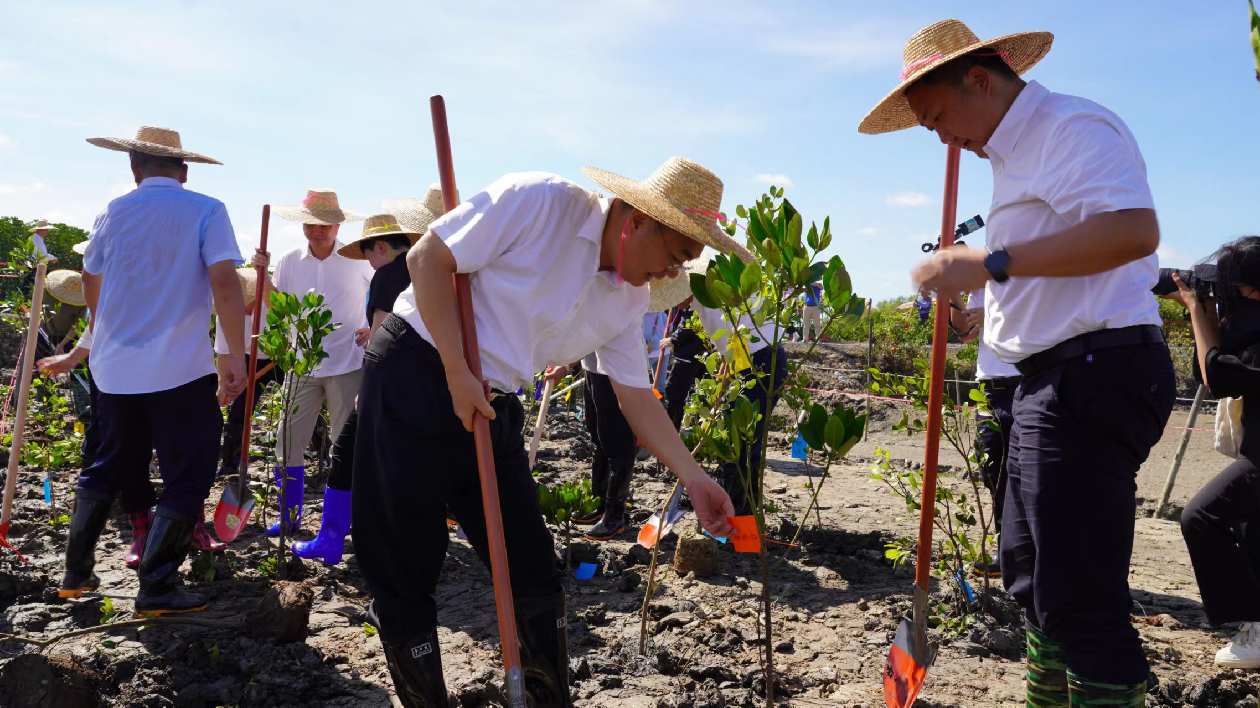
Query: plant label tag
<point x="585" y="571"/>
<point x="459" y="533"/>
<point x="739" y="355"/>
<point x="800" y="451"/>
<point x="78" y="428"/>
<point x="745" y="538"/>
<point x="47" y="491"/>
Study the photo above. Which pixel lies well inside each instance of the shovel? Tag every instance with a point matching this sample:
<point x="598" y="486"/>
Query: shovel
<point x="27" y="367"/>
<point x="542" y="421"/>
<point x="232" y="513"/>
<point x="511" y="647"/>
<point x="910" y="654"/>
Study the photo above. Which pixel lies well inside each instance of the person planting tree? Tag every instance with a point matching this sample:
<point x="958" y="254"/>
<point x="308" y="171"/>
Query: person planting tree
<point x="1069" y="267"/>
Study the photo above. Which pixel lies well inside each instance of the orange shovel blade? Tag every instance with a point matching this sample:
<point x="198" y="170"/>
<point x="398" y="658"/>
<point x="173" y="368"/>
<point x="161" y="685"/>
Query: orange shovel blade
<point x="903" y="674"/>
<point x="232" y="513"/>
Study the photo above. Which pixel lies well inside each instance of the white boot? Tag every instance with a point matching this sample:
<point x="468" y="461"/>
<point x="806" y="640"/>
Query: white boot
<point x="1244" y="651"/>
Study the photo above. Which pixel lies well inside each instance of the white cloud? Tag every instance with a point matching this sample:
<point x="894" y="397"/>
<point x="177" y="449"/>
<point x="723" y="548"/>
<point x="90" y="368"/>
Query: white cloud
<point x="20" y="188"/>
<point x="868" y="231"/>
<point x="1170" y="257"/>
<point x="776" y="180"/>
<point x="860" y="46"/>
<point x="908" y="199"/>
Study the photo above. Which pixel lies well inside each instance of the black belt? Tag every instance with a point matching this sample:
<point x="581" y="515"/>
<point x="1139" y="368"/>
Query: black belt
<point x="404" y="333"/>
<point x="1085" y="344"/>
<point x="1001" y="383"/>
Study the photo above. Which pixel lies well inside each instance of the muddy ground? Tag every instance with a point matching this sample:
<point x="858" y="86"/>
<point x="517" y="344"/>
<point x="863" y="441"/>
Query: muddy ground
<point x="837" y="604"/>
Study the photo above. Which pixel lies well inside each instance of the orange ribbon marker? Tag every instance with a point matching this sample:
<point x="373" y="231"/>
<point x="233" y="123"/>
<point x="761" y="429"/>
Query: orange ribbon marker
<point x="745" y="538"/>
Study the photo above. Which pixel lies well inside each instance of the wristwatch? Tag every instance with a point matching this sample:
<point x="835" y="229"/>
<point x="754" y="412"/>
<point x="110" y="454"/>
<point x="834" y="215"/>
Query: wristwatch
<point x="996" y="263"/>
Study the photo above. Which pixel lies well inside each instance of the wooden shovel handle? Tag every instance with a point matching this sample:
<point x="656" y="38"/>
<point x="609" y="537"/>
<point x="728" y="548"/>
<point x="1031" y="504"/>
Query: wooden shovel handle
<point x="260" y="288"/>
<point x="27" y="367"/>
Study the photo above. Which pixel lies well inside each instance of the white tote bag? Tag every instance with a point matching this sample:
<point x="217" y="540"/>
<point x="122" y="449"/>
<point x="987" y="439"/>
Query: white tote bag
<point x="1229" y="429"/>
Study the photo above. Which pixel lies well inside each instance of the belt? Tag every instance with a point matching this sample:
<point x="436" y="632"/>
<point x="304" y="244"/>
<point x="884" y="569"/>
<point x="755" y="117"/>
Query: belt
<point x="1002" y="383"/>
<point x="407" y="335"/>
<point x="1085" y="344"/>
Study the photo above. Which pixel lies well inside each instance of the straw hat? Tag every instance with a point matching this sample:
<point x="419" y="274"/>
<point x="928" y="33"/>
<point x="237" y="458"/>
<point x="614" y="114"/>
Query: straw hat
<point x="80" y="247"/>
<point x="162" y="142"/>
<point x="249" y="286"/>
<point x="415" y="215"/>
<point x="41" y="225"/>
<point x="66" y="286"/>
<point x="320" y="207"/>
<point x="666" y="293"/>
<point x="937" y="44"/>
<point x="681" y="195"/>
<point x="376" y="227"/>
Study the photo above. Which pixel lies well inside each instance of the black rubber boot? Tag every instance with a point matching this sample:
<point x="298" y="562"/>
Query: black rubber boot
<point x="543" y="629"/>
<point x="91" y="511"/>
<point x="599" y="482"/>
<point x="618" y="490"/>
<point x="164" y="551"/>
<point x="231" y="449"/>
<point x="416" y="668"/>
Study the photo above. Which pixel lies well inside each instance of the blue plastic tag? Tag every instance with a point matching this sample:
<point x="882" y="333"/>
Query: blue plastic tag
<point x="715" y="538"/>
<point x="800" y="451"/>
<point x="585" y="571"/>
<point x="966" y="587"/>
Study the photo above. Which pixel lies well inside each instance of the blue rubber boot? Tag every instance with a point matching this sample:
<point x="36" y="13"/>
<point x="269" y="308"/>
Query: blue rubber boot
<point x="292" y="498"/>
<point x="331" y="539"/>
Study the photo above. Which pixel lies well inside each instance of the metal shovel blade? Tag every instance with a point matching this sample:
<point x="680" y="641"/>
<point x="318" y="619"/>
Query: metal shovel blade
<point x="909" y="657"/>
<point x="232" y="513"/>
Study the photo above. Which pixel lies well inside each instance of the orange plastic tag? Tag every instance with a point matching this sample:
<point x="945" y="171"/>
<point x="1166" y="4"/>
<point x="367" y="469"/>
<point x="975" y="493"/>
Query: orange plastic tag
<point x="745" y="538"/>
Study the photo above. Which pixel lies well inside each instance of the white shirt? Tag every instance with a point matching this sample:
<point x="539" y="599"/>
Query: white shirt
<point x="40" y="247"/>
<point x="713" y="324"/>
<point x="1058" y="160"/>
<point x="220" y="339"/>
<point x="344" y="284"/>
<point x="152" y="247"/>
<point x="530" y="244"/>
<point x="988" y="365"/>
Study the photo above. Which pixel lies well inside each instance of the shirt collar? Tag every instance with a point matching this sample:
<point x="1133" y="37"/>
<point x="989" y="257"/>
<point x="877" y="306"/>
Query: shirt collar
<point x="593" y="228"/>
<point x="337" y="244"/>
<point x="1006" y="137"/>
<point x="159" y="182"/>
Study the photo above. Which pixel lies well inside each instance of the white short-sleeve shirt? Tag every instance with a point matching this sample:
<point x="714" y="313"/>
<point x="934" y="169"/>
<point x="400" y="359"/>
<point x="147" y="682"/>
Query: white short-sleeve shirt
<point x="1058" y="160"/>
<point x="344" y="284"/>
<point x="988" y="365"/>
<point x="713" y="322"/>
<point x="152" y="247"/>
<point x="530" y="244"/>
<point x="220" y="339"/>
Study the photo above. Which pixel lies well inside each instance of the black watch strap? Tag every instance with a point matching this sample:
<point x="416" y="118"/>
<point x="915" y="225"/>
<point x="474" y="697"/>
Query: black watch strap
<point x="996" y="263"/>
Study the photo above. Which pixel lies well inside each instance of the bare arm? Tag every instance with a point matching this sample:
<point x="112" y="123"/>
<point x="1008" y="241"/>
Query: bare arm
<point x="432" y="267"/>
<point x="230" y="305"/>
<point x="652" y="426"/>
<point x="1097" y="244"/>
<point x="92" y="293"/>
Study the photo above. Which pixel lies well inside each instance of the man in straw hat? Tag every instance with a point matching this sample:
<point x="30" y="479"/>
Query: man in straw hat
<point x="157" y="258"/>
<point x="1068" y="271"/>
<point x="556" y="272"/>
<point x="322" y="267"/>
<point x="40" y="232"/>
<point x="383" y="245"/>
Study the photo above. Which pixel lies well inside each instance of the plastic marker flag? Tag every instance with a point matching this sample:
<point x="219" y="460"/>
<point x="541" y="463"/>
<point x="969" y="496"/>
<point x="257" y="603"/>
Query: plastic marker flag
<point x="649" y="533"/>
<point x="746" y="537"/>
<point x="719" y="539"/>
<point x="459" y="533"/>
<point x="47" y="491"/>
<point x="78" y="428"/>
<point x="800" y="451"/>
<point x="585" y="571"/>
<point x="965" y="587"/>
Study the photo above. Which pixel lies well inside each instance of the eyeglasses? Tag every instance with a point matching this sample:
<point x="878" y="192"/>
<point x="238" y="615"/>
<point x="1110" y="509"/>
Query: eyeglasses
<point x="677" y="263"/>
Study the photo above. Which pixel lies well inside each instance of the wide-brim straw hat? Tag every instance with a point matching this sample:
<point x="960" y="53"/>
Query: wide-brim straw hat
<point x="320" y="208"/>
<point x="937" y="44"/>
<point x="376" y="226"/>
<point x="41" y="225"/>
<point x="150" y="140"/>
<point x="667" y="293"/>
<point x="414" y="214"/>
<point x="80" y="247"/>
<point x="248" y="276"/>
<point x="66" y="286"/>
<point x="681" y="195"/>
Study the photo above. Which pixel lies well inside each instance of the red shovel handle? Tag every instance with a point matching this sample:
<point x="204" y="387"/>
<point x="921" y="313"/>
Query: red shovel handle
<point x="481" y="430"/>
<point x="260" y="288"/>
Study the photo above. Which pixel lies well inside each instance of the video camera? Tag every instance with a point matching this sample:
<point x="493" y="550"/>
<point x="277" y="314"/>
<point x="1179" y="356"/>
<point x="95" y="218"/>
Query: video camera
<point x="1201" y="279"/>
<point x="970" y="226"/>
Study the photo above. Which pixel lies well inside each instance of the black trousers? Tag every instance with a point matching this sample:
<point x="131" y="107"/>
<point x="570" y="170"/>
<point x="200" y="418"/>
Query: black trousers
<point x="1081" y="430"/>
<point x="183" y="424"/>
<point x="1221" y="525"/>
<point x="235" y="426"/>
<point x="610" y="432"/>
<point x="343" y="454"/>
<point x="413" y="458"/>
<point x="763" y="394"/>
<point x="994" y="443"/>
<point x="678" y="384"/>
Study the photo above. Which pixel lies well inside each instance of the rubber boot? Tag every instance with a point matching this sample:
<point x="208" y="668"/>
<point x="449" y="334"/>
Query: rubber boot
<point x="231" y="451"/>
<point x="202" y="539"/>
<point x="614" y="519"/>
<point x="292" y="498"/>
<point x="331" y="539"/>
<point x="140" y="521"/>
<point x="1047" y="685"/>
<point x="415" y="666"/>
<point x="543" y="629"/>
<point x="91" y="511"/>
<point x="164" y="551"/>
<point x="599" y="482"/>
<point x="1083" y="693"/>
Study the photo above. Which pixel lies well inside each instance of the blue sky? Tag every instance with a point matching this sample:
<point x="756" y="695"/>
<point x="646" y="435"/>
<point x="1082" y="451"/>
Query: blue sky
<point x="294" y="95"/>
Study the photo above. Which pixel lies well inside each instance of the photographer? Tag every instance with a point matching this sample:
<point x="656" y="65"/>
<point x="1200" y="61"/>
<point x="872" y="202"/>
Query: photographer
<point x="1221" y="524"/>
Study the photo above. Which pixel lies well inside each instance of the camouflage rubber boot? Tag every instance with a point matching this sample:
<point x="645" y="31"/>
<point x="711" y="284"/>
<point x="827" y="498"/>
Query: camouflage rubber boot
<point x="1047" y="672"/>
<point x="1084" y="693"/>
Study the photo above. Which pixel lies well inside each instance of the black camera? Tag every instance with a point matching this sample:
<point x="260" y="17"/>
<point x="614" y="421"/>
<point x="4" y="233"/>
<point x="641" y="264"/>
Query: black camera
<point x="970" y="226"/>
<point x="1201" y="279"/>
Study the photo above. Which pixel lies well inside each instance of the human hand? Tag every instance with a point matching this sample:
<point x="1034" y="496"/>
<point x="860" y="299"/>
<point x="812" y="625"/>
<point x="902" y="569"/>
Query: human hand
<point x="261" y="258"/>
<point x="232" y="379"/>
<point x="951" y="270"/>
<point x="53" y="365"/>
<point x="468" y="395"/>
<point x="361" y="336"/>
<point x="666" y="343"/>
<point x="555" y="373"/>
<point x="1184" y="295"/>
<point x="712" y="505"/>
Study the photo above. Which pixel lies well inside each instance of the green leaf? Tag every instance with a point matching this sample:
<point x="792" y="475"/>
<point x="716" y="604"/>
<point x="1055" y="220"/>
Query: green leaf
<point x="811" y="238"/>
<point x="799" y="270"/>
<point x="834" y="433"/>
<point x="741" y="212"/>
<point x="700" y="290"/>
<point x="750" y="280"/>
<point x="794" y="228"/>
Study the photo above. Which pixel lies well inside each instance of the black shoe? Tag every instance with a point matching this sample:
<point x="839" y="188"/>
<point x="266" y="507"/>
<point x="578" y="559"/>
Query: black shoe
<point x="599" y="482"/>
<point x="91" y="511"/>
<point x="613" y="521"/>
<point x="416" y="668"/>
<point x="227" y="470"/>
<point x="164" y="550"/>
<point x="543" y="630"/>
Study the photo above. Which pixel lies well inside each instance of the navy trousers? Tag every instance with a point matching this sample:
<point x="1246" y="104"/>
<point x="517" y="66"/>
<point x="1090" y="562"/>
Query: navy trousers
<point x="994" y="443"/>
<point x="608" y="427"/>
<point x="1081" y="430"/>
<point x="1221" y="526"/>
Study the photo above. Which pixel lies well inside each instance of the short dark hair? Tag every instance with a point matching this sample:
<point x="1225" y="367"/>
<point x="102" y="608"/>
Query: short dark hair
<point x="954" y="71"/>
<point x="397" y="241"/>
<point x="144" y="161"/>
